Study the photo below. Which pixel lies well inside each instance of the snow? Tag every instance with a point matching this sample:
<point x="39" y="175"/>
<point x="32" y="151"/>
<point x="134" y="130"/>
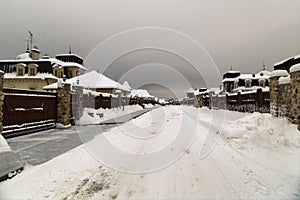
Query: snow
<point x="262" y="130"/>
<point x="284" y="80"/>
<point x="73" y="64"/>
<point x="140" y="93"/>
<point x="42" y="76"/>
<point x="190" y="90"/>
<point x="61" y="126"/>
<point x="3" y="145"/>
<point x="93" y="116"/>
<point x="69" y="54"/>
<point x="24" y="56"/>
<point x="126" y="85"/>
<point x="94" y="80"/>
<point x="295" y="68"/>
<point x="280" y="72"/>
<point x="283" y="61"/>
<point x="94" y="93"/>
<point x="256" y="156"/>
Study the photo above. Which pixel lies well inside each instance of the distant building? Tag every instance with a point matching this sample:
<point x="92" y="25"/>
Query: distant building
<point x="234" y="81"/>
<point x="32" y="71"/>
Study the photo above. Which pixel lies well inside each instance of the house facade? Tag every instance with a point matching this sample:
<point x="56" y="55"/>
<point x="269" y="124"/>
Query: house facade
<point x="32" y="71"/>
<point x="234" y="81"/>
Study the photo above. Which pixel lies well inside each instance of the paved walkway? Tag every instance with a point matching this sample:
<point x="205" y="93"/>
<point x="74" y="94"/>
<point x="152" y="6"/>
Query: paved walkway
<point x="40" y="147"/>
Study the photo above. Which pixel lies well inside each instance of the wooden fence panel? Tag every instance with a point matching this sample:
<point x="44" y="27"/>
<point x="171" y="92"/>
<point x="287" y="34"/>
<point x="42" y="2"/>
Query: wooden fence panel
<point x="26" y="111"/>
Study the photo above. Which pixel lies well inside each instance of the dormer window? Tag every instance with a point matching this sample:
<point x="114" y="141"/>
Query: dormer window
<point x="20" y="72"/>
<point x="262" y="83"/>
<point x="20" y="69"/>
<point x="248" y="83"/>
<point x="32" y="69"/>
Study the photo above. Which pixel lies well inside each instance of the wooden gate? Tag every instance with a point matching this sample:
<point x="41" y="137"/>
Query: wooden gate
<point x="27" y="111"/>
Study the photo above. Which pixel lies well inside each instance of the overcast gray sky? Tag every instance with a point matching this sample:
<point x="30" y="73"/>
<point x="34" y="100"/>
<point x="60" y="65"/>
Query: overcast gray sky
<point x="242" y="33"/>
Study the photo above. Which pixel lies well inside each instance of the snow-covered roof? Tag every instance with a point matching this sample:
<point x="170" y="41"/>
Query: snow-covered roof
<point x="229" y="79"/>
<point x="249" y="76"/>
<point x="92" y="80"/>
<point x="264" y="72"/>
<point x="140" y="93"/>
<point x="280" y="72"/>
<point x="69" y="54"/>
<point x="23" y="56"/>
<point x="282" y="61"/>
<point x="191" y="90"/>
<point x="37" y="76"/>
<point x="35" y="49"/>
<point x="232" y="72"/>
<point x="126" y="84"/>
<point x="284" y="80"/>
<point x="253" y="88"/>
<point x="73" y="64"/>
<point x="295" y="68"/>
<point x="95" y="93"/>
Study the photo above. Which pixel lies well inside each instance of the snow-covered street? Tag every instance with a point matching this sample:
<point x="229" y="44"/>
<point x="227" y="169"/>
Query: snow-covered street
<point x="255" y="156"/>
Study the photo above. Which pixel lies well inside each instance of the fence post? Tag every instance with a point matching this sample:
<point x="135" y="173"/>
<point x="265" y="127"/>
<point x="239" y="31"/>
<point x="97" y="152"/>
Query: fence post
<point x="63" y="105"/>
<point x="1" y="100"/>
<point x="259" y="100"/>
<point x="78" y="102"/>
<point x="295" y="96"/>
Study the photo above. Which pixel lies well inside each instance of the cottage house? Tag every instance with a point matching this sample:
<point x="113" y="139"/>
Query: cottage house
<point x="32" y="71"/>
<point x="234" y="81"/>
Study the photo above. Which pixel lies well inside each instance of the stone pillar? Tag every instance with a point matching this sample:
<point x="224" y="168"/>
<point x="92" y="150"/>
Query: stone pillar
<point x="295" y="96"/>
<point x="77" y="102"/>
<point x="283" y="96"/>
<point x="63" y="105"/>
<point x="275" y="75"/>
<point x="1" y="100"/>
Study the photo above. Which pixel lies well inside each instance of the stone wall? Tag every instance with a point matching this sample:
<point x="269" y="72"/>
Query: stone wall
<point x="1" y="100"/>
<point x="294" y="111"/>
<point x="63" y="105"/>
<point x="285" y="96"/>
<point x="274" y="96"/>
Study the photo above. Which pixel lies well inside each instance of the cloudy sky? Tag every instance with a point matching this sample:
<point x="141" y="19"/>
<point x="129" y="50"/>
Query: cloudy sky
<point x="233" y="32"/>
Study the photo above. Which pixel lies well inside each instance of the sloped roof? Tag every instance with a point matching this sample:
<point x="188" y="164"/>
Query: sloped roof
<point x="140" y="93"/>
<point x="92" y="80"/>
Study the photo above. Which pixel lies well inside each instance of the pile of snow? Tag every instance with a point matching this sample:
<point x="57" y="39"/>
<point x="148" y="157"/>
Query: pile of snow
<point x="284" y="80"/>
<point x="262" y="130"/>
<point x="140" y="93"/>
<point x="3" y="145"/>
<point x="277" y="73"/>
<point x="149" y="105"/>
<point x="93" y="116"/>
<point x="295" y="68"/>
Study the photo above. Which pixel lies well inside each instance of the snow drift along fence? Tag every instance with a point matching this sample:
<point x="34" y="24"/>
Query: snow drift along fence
<point x="27" y="111"/>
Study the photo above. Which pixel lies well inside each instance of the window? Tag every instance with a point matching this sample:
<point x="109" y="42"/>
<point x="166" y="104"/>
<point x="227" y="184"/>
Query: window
<point x="262" y="83"/>
<point x="61" y="74"/>
<point x="248" y="83"/>
<point x="55" y="72"/>
<point x="236" y="84"/>
<point x="31" y="72"/>
<point x="19" y="72"/>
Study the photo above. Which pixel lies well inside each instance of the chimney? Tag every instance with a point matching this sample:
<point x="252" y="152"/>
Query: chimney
<point x="35" y="53"/>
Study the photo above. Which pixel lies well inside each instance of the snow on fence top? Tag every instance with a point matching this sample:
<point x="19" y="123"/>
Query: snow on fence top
<point x="284" y="80"/>
<point x="280" y="72"/>
<point x="295" y="68"/>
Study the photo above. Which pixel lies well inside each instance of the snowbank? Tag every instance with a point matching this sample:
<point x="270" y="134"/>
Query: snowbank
<point x="295" y="68"/>
<point x="262" y="130"/>
<point x="93" y="116"/>
<point x="3" y="145"/>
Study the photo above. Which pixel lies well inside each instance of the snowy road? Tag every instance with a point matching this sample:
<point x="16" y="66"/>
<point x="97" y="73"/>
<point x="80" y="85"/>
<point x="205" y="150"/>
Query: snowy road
<point x="256" y="157"/>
